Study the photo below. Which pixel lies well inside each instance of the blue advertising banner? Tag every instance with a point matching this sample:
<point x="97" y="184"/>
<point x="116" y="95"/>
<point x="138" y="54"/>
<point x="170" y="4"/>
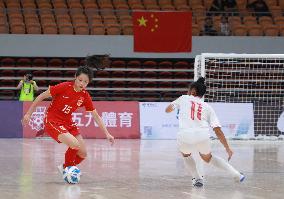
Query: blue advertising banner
<point x="155" y="123"/>
<point x="10" y="117"/>
<point x="237" y="120"/>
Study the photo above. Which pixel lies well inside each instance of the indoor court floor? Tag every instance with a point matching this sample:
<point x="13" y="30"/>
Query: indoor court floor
<point x="137" y="169"/>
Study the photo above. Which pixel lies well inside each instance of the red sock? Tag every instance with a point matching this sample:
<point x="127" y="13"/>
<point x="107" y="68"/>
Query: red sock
<point x="70" y="156"/>
<point x="78" y="160"/>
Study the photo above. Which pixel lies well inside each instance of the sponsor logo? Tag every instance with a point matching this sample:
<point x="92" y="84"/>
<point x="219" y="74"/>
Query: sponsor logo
<point x="36" y="121"/>
<point x="80" y="101"/>
<point x="149" y="105"/>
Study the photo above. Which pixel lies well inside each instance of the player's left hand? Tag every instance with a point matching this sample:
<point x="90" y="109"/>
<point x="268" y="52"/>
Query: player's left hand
<point x="230" y="153"/>
<point x="110" y="138"/>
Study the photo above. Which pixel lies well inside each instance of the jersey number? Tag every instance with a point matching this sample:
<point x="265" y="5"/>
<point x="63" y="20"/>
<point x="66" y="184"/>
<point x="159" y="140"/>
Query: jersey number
<point x="192" y="111"/>
<point x="67" y="109"/>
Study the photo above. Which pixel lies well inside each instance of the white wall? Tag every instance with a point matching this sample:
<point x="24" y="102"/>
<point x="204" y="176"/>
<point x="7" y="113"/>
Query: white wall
<point x="122" y="46"/>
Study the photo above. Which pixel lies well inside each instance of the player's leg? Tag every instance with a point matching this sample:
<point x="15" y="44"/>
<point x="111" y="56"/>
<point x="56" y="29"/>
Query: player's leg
<point x="192" y="169"/>
<point x="206" y="155"/>
<point x="69" y="140"/>
<point x="189" y="162"/>
<point x="204" y="149"/>
<point x="60" y="134"/>
<point x="222" y="164"/>
<point x="191" y="165"/>
<point x="73" y="148"/>
<point x="82" y="153"/>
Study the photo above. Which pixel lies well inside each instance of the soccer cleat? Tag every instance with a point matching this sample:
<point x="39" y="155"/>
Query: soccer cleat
<point x="197" y="182"/>
<point x="60" y="169"/>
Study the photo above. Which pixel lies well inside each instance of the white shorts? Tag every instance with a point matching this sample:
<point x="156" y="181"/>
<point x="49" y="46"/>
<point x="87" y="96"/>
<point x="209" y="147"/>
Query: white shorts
<point x="202" y="147"/>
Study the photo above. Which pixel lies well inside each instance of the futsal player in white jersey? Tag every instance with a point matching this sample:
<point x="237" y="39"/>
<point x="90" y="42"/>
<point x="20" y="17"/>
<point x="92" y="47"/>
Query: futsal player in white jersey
<point x="195" y="117"/>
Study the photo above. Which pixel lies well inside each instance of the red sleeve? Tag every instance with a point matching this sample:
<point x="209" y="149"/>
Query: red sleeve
<point x="88" y="103"/>
<point x="58" y="88"/>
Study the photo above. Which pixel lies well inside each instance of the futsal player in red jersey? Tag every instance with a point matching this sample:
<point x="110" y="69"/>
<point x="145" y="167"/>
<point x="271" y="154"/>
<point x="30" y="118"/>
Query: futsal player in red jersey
<point x="67" y="97"/>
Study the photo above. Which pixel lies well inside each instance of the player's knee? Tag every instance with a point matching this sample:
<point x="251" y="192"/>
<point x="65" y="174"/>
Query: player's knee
<point x="82" y="153"/>
<point x="185" y="155"/>
<point x="206" y="158"/>
<point x="75" y="145"/>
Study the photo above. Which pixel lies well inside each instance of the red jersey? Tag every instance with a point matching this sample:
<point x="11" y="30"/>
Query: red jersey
<point x="65" y="100"/>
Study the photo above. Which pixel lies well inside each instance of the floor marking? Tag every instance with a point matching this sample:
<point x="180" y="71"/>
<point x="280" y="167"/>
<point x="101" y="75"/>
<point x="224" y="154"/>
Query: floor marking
<point x="98" y="188"/>
<point x="97" y="196"/>
<point x="252" y="196"/>
<point x="259" y="188"/>
<point x="194" y="195"/>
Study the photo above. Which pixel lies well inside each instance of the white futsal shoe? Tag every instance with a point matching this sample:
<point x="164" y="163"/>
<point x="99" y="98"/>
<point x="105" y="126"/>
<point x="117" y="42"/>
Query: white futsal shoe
<point x="240" y="178"/>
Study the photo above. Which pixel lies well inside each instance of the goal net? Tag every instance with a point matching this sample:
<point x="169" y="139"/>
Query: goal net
<point x="246" y="78"/>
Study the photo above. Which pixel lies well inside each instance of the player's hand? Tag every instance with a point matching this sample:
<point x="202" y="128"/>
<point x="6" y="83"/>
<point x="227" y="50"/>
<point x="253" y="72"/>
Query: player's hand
<point x="26" y="119"/>
<point x="110" y="138"/>
<point x="230" y="153"/>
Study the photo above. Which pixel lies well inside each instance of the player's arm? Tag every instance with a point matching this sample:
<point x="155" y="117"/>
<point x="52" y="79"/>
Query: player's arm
<point x="215" y="124"/>
<point x="170" y="108"/>
<point x="102" y="126"/>
<point x="219" y="133"/>
<point x="173" y="105"/>
<point x="35" y="85"/>
<point x="20" y="84"/>
<point x="41" y="97"/>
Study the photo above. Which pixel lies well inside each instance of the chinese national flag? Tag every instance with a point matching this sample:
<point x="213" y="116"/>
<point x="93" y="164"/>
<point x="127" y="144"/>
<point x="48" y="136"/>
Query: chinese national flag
<point x="162" y="31"/>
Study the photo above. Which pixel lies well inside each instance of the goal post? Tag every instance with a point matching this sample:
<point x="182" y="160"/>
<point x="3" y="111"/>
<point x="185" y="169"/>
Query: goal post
<point x="246" y="78"/>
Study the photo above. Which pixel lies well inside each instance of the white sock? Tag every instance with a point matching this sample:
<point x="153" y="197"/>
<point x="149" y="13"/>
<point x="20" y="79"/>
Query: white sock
<point x="191" y="167"/>
<point x="222" y="164"/>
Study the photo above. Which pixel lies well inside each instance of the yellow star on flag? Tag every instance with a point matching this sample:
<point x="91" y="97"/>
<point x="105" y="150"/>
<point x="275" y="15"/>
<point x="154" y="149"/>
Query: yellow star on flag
<point x="142" y="21"/>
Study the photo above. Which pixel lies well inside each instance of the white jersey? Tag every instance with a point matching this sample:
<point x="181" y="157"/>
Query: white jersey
<point x="195" y="114"/>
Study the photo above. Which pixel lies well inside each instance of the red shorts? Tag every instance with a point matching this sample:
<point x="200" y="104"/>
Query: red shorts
<point x="54" y="129"/>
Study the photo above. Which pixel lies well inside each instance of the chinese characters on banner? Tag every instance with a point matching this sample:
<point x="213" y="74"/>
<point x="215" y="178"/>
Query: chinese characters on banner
<point x="120" y="118"/>
<point x="110" y="119"/>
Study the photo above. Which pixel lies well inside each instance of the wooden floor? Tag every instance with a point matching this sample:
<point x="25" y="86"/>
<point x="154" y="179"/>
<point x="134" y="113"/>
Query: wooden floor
<point x="137" y="169"/>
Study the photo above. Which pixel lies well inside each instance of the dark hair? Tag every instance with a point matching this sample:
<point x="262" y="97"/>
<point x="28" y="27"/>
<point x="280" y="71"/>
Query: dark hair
<point x="98" y="62"/>
<point x="86" y="70"/>
<point x="199" y="86"/>
<point x="29" y="76"/>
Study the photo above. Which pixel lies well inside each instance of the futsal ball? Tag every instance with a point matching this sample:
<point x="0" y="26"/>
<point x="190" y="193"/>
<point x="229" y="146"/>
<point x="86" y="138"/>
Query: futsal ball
<point x="72" y="174"/>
